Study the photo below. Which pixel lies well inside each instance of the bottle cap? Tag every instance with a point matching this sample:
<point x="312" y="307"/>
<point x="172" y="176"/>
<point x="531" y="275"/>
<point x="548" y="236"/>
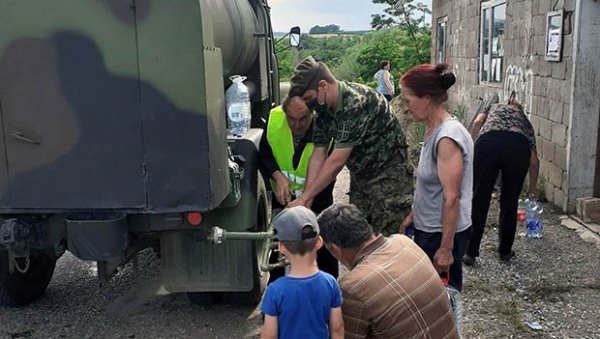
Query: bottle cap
<point x="445" y="277"/>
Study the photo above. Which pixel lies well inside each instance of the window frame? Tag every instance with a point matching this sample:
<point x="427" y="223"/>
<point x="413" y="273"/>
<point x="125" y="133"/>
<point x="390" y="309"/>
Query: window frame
<point x="442" y="20"/>
<point x="488" y="5"/>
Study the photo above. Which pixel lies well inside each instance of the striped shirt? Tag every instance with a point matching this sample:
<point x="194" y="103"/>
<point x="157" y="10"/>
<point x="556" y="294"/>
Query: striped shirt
<point x="393" y="291"/>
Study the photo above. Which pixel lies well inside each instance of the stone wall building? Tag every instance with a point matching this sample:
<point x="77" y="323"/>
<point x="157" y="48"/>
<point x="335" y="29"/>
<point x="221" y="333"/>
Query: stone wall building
<point x="546" y="51"/>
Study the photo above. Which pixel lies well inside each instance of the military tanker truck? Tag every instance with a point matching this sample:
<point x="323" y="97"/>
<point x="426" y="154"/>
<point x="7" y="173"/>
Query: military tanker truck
<point x="114" y="140"/>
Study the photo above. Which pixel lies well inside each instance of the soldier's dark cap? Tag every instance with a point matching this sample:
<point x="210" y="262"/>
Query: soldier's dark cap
<point x="295" y="224"/>
<point x="304" y="77"/>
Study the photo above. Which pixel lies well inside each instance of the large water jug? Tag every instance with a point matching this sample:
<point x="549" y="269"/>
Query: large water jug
<point x="238" y="106"/>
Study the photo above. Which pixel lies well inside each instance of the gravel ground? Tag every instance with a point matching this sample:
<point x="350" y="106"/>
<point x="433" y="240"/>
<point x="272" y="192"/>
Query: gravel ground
<point x="554" y="281"/>
<point x="131" y="306"/>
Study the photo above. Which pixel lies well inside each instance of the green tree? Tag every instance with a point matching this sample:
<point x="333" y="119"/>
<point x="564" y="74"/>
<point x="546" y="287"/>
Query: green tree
<point x="285" y="58"/>
<point x="361" y="61"/>
<point x="329" y="49"/>
<point x="356" y="57"/>
<point x="408" y="15"/>
<point x="329" y="29"/>
<point x="379" y="46"/>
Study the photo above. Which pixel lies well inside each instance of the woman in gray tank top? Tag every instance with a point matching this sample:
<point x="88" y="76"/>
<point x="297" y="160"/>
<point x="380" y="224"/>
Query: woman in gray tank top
<point x="441" y="210"/>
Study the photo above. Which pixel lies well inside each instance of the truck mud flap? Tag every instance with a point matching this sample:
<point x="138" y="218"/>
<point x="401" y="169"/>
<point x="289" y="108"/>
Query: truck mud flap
<point x="192" y="264"/>
<point x="97" y="238"/>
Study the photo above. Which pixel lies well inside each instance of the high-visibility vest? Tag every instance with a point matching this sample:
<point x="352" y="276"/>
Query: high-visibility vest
<point x="281" y="140"/>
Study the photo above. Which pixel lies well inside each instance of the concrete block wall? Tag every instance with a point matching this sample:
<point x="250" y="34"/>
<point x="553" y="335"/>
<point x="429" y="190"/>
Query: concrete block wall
<point x="588" y="209"/>
<point x="551" y="100"/>
<point x="543" y="87"/>
<point x="462" y="50"/>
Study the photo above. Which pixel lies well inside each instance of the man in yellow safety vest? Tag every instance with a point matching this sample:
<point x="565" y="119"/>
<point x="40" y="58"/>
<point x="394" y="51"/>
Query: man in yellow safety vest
<point x="285" y="150"/>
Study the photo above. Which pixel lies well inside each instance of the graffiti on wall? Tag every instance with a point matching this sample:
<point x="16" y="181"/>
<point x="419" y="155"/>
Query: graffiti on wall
<point x="520" y="80"/>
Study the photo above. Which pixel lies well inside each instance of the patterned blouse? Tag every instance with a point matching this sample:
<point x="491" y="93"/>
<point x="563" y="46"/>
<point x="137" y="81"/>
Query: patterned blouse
<point x="502" y="117"/>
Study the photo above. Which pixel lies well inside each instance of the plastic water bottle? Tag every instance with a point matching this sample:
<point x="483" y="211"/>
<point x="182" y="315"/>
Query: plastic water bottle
<point x="455" y="302"/>
<point x="238" y="106"/>
<point x="533" y="219"/>
<point x="521" y="213"/>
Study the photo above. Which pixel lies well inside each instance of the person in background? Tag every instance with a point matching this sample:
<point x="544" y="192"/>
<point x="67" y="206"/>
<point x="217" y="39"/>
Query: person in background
<point x="385" y="80"/>
<point x="441" y="210"/>
<point x="505" y="145"/>
<point x="306" y="303"/>
<point x="285" y="149"/>
<point x="391" y="289"/>
<point x="367" y="139"/>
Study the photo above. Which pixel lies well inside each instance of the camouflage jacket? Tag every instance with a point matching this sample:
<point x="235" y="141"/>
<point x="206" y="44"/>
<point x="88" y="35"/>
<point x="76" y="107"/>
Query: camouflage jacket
<point x="363" y="120"/>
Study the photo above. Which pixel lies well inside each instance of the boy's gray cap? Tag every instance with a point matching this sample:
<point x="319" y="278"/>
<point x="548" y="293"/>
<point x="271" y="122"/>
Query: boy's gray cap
<point x="304" y="77"/>
<point x="295" y="224"/>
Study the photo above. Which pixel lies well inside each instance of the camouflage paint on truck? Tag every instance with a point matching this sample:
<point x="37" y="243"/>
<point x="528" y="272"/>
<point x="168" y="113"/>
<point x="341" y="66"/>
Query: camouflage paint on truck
<point x="113" y="126"/>
<point x="104" y="106"/>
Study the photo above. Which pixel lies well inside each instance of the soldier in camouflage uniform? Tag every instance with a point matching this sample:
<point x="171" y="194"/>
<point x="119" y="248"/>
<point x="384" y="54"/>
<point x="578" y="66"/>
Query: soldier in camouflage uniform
<point x="367" y="138"/>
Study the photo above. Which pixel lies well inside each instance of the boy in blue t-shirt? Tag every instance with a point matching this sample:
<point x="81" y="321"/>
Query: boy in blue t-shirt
<point x="306" y="303"/>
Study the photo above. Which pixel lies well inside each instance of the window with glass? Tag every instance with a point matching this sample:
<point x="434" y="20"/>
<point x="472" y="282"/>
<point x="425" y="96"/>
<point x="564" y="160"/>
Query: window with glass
<point x="441" y="40"/>
<point x="491" y="55"/>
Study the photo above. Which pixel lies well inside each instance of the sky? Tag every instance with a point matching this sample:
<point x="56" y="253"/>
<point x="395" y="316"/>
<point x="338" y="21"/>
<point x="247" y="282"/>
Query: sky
<point x="350" y="15"/>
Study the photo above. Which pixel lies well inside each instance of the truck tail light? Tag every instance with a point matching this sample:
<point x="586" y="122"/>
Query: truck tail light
<point x="194" y="218"/>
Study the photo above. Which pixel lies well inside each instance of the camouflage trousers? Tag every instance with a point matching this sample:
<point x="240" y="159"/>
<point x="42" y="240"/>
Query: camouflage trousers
<point x="384" y="198"/>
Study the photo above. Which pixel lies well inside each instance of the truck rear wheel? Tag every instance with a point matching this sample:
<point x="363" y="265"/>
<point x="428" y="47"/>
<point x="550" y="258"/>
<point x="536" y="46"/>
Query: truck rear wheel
<point x="18" y="289"/>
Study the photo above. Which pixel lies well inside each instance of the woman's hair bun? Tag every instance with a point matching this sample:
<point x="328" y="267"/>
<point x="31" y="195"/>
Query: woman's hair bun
<point x="447" y="78"/>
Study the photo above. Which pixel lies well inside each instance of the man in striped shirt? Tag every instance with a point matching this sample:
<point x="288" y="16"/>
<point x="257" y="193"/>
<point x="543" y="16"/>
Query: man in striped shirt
<point x="391" y="290"/>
